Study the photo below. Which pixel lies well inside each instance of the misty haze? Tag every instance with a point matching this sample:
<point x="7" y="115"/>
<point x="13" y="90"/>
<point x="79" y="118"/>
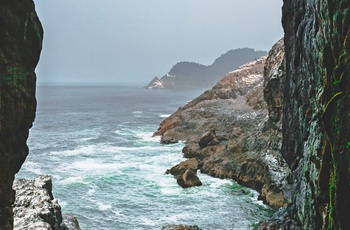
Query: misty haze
<point x="144" y="105"/>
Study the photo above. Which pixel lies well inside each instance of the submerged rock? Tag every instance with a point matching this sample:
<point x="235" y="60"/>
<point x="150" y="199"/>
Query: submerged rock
<point x="181" y="227"/>
<point x="36" y="208"/>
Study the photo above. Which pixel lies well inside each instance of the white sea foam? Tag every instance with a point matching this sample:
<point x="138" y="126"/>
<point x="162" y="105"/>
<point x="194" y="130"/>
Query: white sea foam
<point x="147" y="221"/>
<point x="72" y="180"/>
<point x="90" y="192"/>
<point x="147" y="136"/>
<point x="97" y="166"/>
<point x="82" y="150"/>
<point x="217" y="183"/>
<point x="32" y="167"/>
<point x="137" y="113"/>
<point x="103" y="207"/>
<point x="164" y="115"/>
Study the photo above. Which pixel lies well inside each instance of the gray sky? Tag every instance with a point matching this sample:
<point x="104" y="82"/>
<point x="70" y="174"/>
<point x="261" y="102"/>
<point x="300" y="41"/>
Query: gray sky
<point x="135" y="40"/>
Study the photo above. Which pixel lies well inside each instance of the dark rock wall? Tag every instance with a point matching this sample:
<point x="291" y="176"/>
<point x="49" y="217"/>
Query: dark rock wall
<point x="20" y="46"/>
<point x="316" y="116"/>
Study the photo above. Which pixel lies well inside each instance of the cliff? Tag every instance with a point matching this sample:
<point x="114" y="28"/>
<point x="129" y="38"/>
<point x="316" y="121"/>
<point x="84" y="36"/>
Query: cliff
<point x="20" y="46"/>
<point x="234" y="132"/>
<point x="316" y="115"/>
<point x="194" y="75"/>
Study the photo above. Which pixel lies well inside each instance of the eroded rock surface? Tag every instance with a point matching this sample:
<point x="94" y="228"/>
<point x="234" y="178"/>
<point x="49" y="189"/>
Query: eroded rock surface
<point x="228" y="128"/>
<point x="185" y="173"/>
<point x="316" y="115"/>
<point x="21" y="37"/>
<point x="36" y="208"/>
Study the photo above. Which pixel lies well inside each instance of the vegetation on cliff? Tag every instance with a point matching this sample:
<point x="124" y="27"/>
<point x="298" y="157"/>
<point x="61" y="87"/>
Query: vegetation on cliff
<point x="316" y="124"/>
<point x="195" y="75"/>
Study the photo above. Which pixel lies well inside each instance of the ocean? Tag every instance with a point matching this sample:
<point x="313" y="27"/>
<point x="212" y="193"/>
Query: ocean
<point x="96" y="142"/>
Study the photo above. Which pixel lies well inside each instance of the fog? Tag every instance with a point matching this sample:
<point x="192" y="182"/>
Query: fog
<point x="121" y="41"/>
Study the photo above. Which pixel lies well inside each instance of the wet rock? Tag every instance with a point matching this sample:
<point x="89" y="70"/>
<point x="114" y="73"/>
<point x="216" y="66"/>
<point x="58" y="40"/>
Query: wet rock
<point x="185" y="173"/>
<point x="70" y="223"/>
<point x="36" y="208"/>
<point x="190" y="179"/>
<point x="183" y="166"/>
<point x="181" y="227"/>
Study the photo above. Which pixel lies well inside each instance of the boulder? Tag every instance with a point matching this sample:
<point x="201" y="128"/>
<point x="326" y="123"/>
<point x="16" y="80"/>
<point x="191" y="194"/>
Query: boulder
<point x="183" y="166"/>
<point x="185" y="173"/>
<point x="208" y="138"/>
<point x="190" y="179"/>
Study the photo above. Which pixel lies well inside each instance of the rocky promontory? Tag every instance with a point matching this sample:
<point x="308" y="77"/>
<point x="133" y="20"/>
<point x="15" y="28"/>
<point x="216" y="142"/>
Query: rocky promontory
<point x="195" y="75"/>
<point x="234" y="132"/>
<point x="36" y="208"/>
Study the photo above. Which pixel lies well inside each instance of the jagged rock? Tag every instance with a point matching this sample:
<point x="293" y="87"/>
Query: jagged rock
<point x="242" y="147"/>
<point x="208" y="138"/>
<point x="183" y="166"/>
<point x="70" y="223"/>
<point x="36" y="208"/>
<point x="316" y="120"/>
<point x="155" y="84"/>
<point x="185" y="173"/>
<point x="181" y="227"/>
<point x="274" y="78"/>
<point x="189" y="179"/>
<point x="21" y="37"/>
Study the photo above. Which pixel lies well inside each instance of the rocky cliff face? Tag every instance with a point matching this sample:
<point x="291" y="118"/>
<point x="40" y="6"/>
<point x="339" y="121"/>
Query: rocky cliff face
<point x="316" y="115"/>
<point x="20" y="46"/>
<point x="316" y="123"/>
<point x="234" y="132"/>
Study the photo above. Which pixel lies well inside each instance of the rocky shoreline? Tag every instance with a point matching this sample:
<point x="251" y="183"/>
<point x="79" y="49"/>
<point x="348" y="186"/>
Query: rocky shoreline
<point x="234" y="129"/>
<point x="36" y="208"/>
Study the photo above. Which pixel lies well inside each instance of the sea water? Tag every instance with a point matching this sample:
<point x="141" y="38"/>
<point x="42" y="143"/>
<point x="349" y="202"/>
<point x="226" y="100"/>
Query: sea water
<point x="96" y="142"/>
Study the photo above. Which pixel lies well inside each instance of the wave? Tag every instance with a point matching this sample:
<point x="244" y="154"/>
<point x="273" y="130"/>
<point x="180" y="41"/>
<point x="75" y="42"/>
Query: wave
<point x="148" y="137"/>
<point x="81" y="150"/>
<point x="164" y="115"/>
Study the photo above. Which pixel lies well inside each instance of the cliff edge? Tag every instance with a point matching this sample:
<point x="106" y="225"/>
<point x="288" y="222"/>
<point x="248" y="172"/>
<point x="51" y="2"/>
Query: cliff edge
<point x="234" y="132"/>
<point x="316" y="115"/>
<point x="20" y="46"/>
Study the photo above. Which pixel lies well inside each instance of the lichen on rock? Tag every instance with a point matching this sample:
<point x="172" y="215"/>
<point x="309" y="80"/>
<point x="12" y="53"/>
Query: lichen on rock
<point x="20" y="46"/>
<point x="316" y="115"/>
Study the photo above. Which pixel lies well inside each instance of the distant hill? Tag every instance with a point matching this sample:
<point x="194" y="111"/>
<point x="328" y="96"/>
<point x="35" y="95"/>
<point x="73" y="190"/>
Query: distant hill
<point x="195" y="75"/>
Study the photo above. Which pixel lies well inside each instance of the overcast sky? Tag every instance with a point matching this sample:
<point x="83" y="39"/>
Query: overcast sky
<point x="135" y="40"/>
